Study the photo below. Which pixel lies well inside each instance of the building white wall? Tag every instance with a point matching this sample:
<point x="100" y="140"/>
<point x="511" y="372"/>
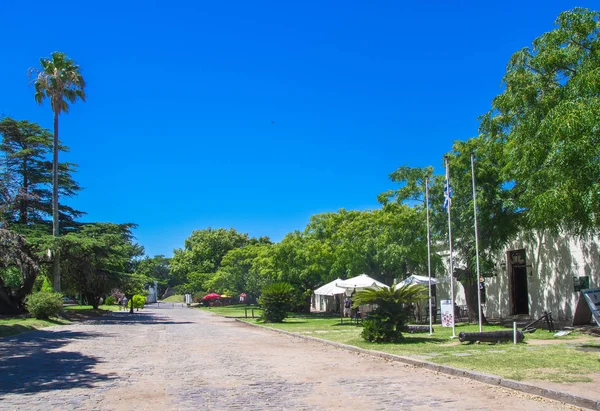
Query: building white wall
<point x="554" y="261"/>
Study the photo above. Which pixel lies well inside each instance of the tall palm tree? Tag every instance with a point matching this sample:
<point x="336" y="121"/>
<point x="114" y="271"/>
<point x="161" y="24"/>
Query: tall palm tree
<point x="59" y="79"/>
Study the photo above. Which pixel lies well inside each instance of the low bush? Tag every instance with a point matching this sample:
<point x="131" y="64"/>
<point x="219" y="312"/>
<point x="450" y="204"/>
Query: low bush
<point x="138" y="301"/>
<point x="44" y="304"/>
<point x="277" y="300"/>
<point x="376" y="329"/>
<point x="110" y="300"/>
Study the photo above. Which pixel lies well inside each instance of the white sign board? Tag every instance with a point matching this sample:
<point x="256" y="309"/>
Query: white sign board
<point x="188" y="298"/>
<point x="447" y="313"/>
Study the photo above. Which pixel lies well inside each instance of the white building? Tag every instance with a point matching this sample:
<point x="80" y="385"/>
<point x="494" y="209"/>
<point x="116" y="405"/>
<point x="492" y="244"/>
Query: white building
<point x="536" y="274"/>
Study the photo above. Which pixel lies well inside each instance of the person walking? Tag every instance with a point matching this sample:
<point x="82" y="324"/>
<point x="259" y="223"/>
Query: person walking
<point x="124" y="302"/>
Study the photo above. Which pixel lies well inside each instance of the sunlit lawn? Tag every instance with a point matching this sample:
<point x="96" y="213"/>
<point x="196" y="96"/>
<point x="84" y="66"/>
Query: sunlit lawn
<point x="541" y="357"/>
<point x="18" y="325"/>
<point x="235" y="310"/>
<point x="175" y="298"/>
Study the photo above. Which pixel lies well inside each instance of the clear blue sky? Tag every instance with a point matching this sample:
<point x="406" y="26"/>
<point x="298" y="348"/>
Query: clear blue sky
<point x="178" y="134"/>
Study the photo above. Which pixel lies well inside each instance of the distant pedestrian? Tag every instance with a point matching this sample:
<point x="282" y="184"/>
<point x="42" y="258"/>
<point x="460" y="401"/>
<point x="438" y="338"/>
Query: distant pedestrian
<point x="347" y="307"/>
<point x="124" y="302"/>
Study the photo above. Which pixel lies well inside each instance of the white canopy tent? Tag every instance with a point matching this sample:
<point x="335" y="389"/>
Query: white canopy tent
<point x="359" y="283"/>
<point x="417" y="279"/>
<point x="330" y="288"/>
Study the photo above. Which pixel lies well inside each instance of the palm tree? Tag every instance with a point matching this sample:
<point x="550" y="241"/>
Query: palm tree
<point x="391" y="307"/>
<point x="59" y="80"/>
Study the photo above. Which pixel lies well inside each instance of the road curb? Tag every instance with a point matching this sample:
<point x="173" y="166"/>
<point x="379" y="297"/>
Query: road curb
<point x="457" y="372"/>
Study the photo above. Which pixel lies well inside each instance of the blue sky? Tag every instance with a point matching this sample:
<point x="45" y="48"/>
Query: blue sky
<point x="256" y="115"/>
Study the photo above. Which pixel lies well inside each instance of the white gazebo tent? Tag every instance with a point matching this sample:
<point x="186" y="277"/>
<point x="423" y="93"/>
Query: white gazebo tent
<point x="359" y="283"/>
<point x="325" y="295"/>
<point x="330" y="288"/>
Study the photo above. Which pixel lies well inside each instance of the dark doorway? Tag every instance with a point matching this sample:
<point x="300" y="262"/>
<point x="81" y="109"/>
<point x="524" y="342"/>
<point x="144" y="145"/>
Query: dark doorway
<point x="518" y="282"/>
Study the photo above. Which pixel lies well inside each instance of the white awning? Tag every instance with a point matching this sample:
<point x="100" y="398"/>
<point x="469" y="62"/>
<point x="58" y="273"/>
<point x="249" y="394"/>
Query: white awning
<point x="360" y="282"/>
<point x="417" y="279"/>
<point x="330" y="289"/>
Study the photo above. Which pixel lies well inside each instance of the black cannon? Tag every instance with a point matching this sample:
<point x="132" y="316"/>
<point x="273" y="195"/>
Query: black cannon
<point x="490" y="336"/>
<point x="416" y="329"/>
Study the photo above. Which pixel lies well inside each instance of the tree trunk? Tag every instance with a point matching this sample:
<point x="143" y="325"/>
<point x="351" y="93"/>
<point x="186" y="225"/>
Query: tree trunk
<point x="130" y="301"/>
<point x="9" y="305"/>
<point x="307" y="302"/>
<point x="55" y="227"/>
<point x="471" y="297"/>
<point x="23" y="203"/>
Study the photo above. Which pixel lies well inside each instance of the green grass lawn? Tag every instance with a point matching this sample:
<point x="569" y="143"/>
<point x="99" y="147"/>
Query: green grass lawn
<point x="176" y="298"/>
<point x="18" y="325"/>
<point x="237" y="310"/>
<point x="542" y="357"/>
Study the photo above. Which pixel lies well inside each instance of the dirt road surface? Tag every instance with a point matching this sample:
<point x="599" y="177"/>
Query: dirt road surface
<point x="185" y="359"/>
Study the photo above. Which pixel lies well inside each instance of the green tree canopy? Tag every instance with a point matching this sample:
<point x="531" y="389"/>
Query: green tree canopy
<point x="26" y="170"/>
<point x="97" y="258"/>
<point x="547" y="118"/>
<point x="202" y="255"/>
<point x="157" y="268"/>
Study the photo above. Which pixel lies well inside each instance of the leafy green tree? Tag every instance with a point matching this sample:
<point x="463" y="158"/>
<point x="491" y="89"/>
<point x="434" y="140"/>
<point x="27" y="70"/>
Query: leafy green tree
<point x="499" y="219"/>
<point x="303" y="261"/>
<point x="157" y="268"/>
<point x="203" y="252"/>
<point x="243" y="270"/>
<point x="390" y="313"/>
<point x="547" y="120"/>
<point x="99" y="257"/>
<point x="24" y="153"/>
<point x="59" y="80"/>
<point x="385" y="244"/>
<point x="132" y="284"/>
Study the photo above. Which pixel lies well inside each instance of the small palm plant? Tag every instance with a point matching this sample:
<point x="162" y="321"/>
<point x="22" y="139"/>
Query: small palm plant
<point x="388" y="318"/>
<point x="277" y="299"/>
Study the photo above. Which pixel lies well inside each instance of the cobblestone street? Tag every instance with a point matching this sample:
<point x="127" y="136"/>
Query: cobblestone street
<point x="184" y="359"/>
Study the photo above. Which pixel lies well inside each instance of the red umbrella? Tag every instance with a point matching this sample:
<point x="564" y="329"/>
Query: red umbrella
<point x="211" y="296"/>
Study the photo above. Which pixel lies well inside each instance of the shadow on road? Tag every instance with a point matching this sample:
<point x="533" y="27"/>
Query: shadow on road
<point x="138" y="317"/>
<point x="29" y="364"/>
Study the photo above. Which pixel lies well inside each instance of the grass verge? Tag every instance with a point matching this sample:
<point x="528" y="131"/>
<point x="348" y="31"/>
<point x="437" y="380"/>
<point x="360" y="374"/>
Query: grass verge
<point x="572" y="358"/>
<point x="236" y="310"/>
<point x="176" y="298"/>
<point x="23" y="323"/>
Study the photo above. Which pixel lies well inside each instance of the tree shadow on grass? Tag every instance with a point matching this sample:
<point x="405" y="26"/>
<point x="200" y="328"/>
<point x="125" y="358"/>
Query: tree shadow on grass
<point x="30" y="363"/>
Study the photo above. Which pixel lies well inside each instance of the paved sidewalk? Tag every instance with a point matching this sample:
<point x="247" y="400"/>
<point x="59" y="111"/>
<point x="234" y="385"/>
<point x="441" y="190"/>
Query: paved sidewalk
<point x="180" y="359"/>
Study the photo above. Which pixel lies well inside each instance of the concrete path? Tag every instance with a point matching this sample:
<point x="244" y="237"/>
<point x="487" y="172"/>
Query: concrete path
<point x="184" y="359"/>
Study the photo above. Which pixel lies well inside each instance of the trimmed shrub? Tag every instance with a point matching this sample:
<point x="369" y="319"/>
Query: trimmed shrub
<point x="110" y="300"/>
<point x="277" y="300"/>
<point x="138" y="301"/>
<point x="44" y="304"/>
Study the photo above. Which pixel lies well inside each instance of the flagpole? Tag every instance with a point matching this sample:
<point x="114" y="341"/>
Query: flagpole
<point x="476" y="240"/>
<point x="450" y="242"/>
<point x="429" y="255"/>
